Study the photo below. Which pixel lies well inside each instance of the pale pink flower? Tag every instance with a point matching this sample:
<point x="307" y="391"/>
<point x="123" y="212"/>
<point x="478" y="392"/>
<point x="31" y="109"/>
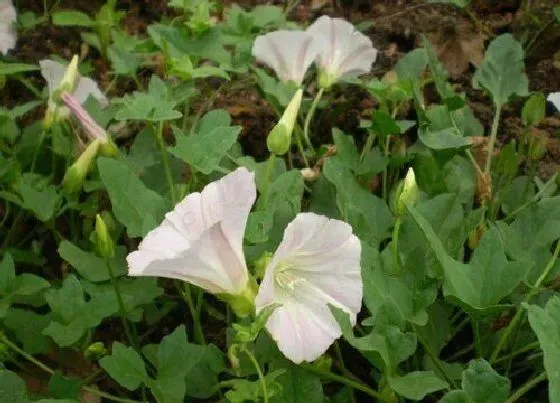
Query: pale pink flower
<point x="8" y="34"/>
<point x="201" y="240"/>
<point x="288" y="53"/>
<point x="316" y="264"/>
<point x="344" y="51"/>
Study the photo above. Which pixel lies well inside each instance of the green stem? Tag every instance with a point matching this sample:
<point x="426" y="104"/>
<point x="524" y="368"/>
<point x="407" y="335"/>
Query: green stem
<point x="185" y="290"/>
<point x="49" y="371"/>
<point x="434" y="358"/>
<point x="30" y="87"/>
<point x="165" y="161"/>
<point x="368" y="145"/>
<point x="534" y="199"/>
<point x="385" y="172"/>
<point x="37" y="149"/>
<point x="12" y="229"/>
<point x="477" y="340"/>
<point x="271" y="165"/>
<point x="528" y="347"/>
<point x="309" y="116"/>
<point x="122" y="310"/>
<point x="345" y="381"/>
<point x="395" y="248"/>
<point x="493" y="135"/>
<point x="262" y="380"/>
<point x="518" y="315"/>
<point x="526" y="387"/>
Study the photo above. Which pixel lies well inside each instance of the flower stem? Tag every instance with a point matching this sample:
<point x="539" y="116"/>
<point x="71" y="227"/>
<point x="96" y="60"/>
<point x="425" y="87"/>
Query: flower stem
<point x="526" y="348"/>
<point x="493" y="135"/>
<point x="122" y="310"/>
<point x="345" y="381"/>
<point x="270" y="167"/>
<point x="526" y="387"/>
<point x="518" y="315"/>
<point x="37" y="149"/>
<point x="309" y="116"/>
<point x="477" y="340"/>
<point x="165" y="161"/>
<point x="396" y="232"/>
<point x="50" y="371"/>
<point x="434" y="358"/>
<point x="185" y="291"/>
<point x="262" y="380"/>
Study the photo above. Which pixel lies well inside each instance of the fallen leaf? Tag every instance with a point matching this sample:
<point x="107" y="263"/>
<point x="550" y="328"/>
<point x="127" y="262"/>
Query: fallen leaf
<point x="457" y="47"/>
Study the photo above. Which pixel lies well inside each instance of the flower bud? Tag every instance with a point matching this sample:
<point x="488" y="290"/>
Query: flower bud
<point x="76" y="174"/>
<point x="103" y="241"/>
<point x="95" y="351"/>
<point x="537" y="146"/>
<point x="280" y="137"/>
<point x="407" y="193"/>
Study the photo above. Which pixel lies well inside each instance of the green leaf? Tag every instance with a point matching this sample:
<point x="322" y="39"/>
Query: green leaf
<point x="125" y="366"/>
<point x="123" y="62"/>
<point x="546" y="324"/>
<point x="502" y="72"/>
<point x="28" y="327"/>
<point x="298" y="385"/>
<point x="72" y="315"/>
<point x="37" y="196"/>
<point x="12" y="388"/>
<point x="369" y="216"/>
<point x="134" y="205"/>
<point x="62" y="387"/>
<point x="439" y="73"/>
<point x="16" y="68"/>
<point x="484" y="385"/>
<point x="416" y="385"/>
<point x="72" y="19"/>
<point x="412" y="65"/>
<point x="534" y="109"/>
<point x="205" y="149"/>
<point x="480" y="285"/>
<point x="387" y="340"/>
<point x="156" y="105"/>
<point x="90" y="266"/>
<point x="442" y="139"/>
<point x="457" y="3"/>
<point x="7" y="272"/>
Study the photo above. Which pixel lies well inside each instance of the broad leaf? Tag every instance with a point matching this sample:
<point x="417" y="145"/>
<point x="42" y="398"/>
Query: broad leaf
<point x="125" y="366"/>
<point x="502" y="72"/>
<point x="137" y="207"/>
<point x="416" y="385"/>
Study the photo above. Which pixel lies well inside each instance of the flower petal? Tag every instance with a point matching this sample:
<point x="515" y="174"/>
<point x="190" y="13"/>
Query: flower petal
<point x="554" y="97"/>
<point x="316" y="264"/>
<point x="288" y="53"/>
<point x="86" y="87"/>
<point x="8" y="34"/>
<point x="344" y="51"/>
<point x="303" y="331"/>
<point x="53" y="73"/>
<point x="201" y="240"/>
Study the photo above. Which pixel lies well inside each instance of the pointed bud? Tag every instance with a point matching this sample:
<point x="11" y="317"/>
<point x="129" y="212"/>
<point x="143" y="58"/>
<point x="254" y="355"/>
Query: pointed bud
<point x="409" y="193"/>
<point x="103" y="241"/>
<point x="70" y="77"/>
<point x="280" y="137"/>
<point x="76" y="174"/>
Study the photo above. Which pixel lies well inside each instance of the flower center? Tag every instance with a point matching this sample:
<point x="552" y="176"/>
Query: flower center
<point x="286" y="278"/>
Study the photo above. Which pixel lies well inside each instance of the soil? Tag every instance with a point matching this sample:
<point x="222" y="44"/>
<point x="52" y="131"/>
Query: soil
<point x="395" y="30"/>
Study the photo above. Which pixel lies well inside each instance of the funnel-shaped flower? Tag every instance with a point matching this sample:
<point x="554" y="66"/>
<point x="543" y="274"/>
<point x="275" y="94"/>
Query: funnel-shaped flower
<point x="8" y="35"/>
<point x="554" y="97"/>
<point x="288" y="53"/>
<point x="316" y="264"/>
<point x="344" y="51"/>
<point x="66" y="78"/>
<point x="201" y="240"/>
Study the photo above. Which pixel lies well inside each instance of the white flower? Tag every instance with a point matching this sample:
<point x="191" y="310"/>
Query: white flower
<point x="554" y="97"/>
<point x="54" y="73"/>
<point x="8" y="34"/>
<point x="201" y="240"/>
<point x="316" y="264"/>
<point x="288" y="53"/>
<point x="345" y="52"/>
